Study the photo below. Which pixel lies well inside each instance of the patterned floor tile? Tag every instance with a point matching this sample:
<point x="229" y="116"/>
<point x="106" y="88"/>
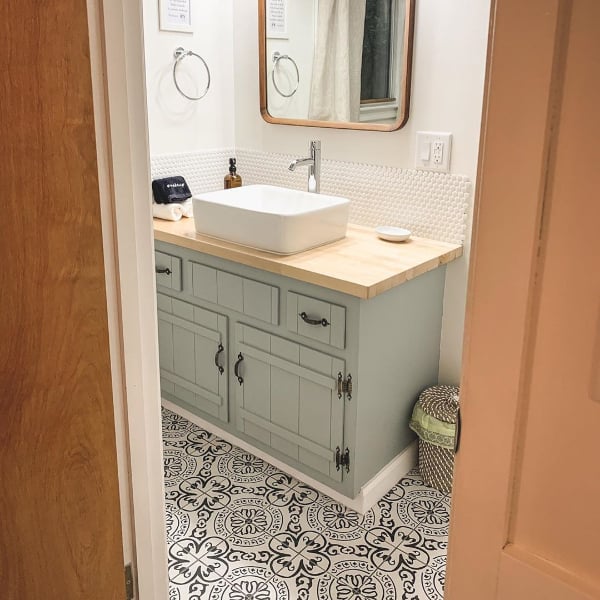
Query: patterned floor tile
<point x="174" y="425"/>
<point x="434" y="518"/>
<point x="186" y="569"/>
<point x="406" y="503"/>
<point x="337" y="521"/>
<point x="178" y="466"/>
<point x="178" y="523"/>
<point x="239" y="529"/>
<point x="357" y="579"/>
<point x="430" y="581"/>
<point x="303" y="587"/>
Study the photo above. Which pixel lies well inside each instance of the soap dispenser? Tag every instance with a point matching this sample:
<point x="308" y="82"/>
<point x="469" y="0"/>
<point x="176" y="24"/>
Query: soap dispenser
<point x="232" y="179"/>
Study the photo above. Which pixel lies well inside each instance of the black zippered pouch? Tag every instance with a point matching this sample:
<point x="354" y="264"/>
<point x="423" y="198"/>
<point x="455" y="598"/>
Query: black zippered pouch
<point x="170" y="190"/>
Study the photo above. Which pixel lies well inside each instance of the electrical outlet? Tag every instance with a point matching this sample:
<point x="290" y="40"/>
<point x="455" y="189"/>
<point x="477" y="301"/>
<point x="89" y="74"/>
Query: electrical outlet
<point x="437" y="151"/>
<point x="433" y="151"/>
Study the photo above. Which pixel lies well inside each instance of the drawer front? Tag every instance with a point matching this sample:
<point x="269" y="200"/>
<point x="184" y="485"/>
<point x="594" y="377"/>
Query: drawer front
<point x="317" y="320"/>
<point x="241" y="294"/>
<point x="168" y="271"/>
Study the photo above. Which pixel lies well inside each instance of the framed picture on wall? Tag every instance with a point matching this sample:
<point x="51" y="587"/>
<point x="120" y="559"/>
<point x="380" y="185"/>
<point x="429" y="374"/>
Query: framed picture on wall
<point x="175" y="15"/>
<point x="277" y="19"/>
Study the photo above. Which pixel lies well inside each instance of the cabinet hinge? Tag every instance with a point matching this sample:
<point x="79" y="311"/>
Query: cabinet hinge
<point x="342" y="459"/>
<point x="344" y="386"/>
<point x="129" y="585"/>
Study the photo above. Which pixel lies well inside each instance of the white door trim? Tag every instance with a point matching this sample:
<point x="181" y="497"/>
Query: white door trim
<point x="116" y="37"/>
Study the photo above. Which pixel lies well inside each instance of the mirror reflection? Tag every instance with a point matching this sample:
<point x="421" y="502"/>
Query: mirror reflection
<point x="337" y="63"/>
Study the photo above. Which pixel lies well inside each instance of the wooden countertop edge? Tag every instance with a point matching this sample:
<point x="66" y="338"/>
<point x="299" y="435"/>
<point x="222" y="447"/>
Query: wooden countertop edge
<point x="269" y="262"/>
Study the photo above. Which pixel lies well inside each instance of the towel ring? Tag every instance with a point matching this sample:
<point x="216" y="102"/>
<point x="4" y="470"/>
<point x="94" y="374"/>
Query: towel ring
<point x="179" y="55"/>
<point x="277" y="56"/>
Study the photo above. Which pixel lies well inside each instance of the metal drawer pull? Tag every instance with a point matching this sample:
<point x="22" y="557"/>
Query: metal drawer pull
<point x="219" y="350"/>
<point x="307" y="319"/>
<point x="165" y="271"/>
<point x="236" y="368"/>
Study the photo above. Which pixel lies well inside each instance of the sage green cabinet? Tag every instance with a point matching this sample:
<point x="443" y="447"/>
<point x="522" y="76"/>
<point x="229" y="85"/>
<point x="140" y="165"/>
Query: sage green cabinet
<point x="287" y="398"/>
<point x="192" y="355"/>
<point x="323" y="381"/>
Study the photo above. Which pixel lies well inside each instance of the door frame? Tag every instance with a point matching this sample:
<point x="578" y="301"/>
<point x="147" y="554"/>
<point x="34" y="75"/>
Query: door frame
<point x="118" y="80"/>
<point x="120" y="102"/>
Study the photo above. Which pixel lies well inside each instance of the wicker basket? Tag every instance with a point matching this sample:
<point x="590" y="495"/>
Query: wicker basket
<point x="434" y="421"/>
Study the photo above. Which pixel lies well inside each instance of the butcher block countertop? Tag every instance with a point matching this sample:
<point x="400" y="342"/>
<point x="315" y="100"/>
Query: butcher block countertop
<point x="360" y="265"/>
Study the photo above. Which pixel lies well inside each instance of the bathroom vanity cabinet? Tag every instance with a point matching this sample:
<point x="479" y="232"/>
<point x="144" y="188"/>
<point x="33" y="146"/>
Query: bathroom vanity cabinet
<point x="319" y="378"/>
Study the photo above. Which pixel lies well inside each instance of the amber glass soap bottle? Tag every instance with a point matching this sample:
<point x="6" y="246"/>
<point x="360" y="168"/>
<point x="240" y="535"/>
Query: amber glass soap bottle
<point x="232" y="179"/>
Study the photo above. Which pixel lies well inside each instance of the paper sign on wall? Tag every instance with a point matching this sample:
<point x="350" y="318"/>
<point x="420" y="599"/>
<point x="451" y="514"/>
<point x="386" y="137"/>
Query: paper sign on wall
<point x="277" y="19"/>
<point x="175" y="15"/>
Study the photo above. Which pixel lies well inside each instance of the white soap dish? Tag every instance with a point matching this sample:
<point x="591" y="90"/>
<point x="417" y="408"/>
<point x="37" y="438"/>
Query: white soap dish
<point x="393" y="234"/>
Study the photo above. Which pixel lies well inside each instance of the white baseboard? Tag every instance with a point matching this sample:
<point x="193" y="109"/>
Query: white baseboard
<point x="395" y="470"/>
<point x="370" y="493"/>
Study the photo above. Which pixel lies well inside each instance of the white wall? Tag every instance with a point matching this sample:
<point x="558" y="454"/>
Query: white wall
<point x="300" y="46"/>
<point x="448" y="74"/>
<point x="175" y="123"/>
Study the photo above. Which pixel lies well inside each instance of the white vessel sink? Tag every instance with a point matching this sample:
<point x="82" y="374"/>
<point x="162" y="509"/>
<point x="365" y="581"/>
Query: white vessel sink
<point x="271" y="218"/>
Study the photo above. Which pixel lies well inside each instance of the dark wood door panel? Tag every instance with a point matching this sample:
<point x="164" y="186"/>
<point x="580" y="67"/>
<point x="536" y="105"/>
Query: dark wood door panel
<point x="60" y="533"/>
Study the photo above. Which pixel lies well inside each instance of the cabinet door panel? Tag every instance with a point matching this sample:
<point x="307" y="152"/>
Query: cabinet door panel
<point x="315" y="412"/>
<point x="187" y="349"/>
<point x="257" y="387"/>
<point x="165" y="345"/>
<point x="285" y="446"/>
<point x="290" y="402"/>
<point x="184" y="363"/>
<point x="285" y="401"/>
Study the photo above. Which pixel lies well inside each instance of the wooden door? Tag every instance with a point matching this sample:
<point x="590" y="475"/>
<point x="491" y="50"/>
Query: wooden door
<point x="60" y="531"/>
<point x="288" y="399"/>
<point x="193" y="356"/>
<point x="526" y="516"/>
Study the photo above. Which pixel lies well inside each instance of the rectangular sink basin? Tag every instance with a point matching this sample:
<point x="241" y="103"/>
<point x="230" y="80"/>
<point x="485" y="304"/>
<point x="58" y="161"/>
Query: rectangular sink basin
<point x="271" y="218"/>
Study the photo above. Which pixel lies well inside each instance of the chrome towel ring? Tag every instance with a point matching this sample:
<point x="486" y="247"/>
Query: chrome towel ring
<point x="277" y="56"/>
<point x="179" y="55"/>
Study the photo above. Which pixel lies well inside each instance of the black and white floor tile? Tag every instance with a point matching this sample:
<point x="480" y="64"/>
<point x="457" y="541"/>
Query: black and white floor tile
<point x="239" y="529"/>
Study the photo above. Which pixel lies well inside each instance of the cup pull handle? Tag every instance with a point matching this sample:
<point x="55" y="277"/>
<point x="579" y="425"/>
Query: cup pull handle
<point x="219" y="367"/>
<point x="307" y="319"/>
<point x="236" y="368"/>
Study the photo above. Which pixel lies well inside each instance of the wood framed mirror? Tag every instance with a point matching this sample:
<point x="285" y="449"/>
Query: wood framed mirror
<point x="341" y="64"/>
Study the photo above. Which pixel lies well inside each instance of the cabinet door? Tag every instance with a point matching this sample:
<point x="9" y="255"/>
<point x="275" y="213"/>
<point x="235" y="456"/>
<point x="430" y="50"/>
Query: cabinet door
<point x="193" y="358"/>
<point x="288" y="399"/>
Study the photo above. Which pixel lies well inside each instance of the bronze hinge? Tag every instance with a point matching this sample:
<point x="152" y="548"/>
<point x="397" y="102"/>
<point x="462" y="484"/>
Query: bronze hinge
<point x="129" y="584"/>
<point x="342" y="459"/>
<point x="344" y="386"/>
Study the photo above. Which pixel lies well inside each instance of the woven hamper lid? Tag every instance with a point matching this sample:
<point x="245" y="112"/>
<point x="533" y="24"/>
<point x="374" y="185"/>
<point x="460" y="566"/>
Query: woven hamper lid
<point x="441" y="402"/>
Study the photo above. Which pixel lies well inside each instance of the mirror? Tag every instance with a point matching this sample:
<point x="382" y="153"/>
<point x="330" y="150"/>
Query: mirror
<point x="336" y="63"/>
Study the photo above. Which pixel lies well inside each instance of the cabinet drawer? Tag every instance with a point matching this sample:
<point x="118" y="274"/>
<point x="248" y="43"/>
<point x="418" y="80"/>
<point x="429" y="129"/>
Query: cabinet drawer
<point x="317" y="320"/>
<point x="168" y="271"/>
<point x="243" y="295"/>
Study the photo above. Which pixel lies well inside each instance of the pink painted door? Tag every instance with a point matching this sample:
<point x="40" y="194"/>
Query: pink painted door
<point x="526" y="513"/>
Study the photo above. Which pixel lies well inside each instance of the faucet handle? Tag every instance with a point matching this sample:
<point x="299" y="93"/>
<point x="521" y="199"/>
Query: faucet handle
<point x="315" y="145"/>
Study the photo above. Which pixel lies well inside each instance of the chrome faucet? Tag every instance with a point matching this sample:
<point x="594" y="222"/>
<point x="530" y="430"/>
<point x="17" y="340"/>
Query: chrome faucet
<point x="314" y="166"/>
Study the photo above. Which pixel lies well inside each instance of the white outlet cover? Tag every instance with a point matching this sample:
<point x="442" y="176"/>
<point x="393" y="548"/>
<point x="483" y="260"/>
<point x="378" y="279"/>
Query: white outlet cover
<point x="425" y="155"/>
